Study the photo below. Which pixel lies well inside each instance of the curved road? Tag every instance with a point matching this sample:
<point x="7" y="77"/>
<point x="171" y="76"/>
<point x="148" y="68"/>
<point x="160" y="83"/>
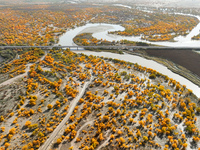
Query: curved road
<point x="21" y="75"/>
<point x="78" y="133"/>
<point x="49" y="141"/>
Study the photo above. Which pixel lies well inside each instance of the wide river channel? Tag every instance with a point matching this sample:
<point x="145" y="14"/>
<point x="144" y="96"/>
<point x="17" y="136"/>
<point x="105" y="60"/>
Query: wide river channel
<point x="100" y="31"/>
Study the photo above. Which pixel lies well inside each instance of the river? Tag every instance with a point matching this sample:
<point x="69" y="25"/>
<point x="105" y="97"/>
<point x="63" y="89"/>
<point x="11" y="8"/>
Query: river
<point x="149" y="64"/>
<point x="100" y="31"/>
<point x="97" y="29"/>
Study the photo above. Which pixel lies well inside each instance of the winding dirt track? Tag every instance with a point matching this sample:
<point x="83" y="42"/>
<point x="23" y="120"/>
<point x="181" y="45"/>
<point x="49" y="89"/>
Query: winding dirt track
<point x="16" y="77"/>
<point x="48" y="142"/>
<point x="78" y="132"/>
<point x="21" y="75"/>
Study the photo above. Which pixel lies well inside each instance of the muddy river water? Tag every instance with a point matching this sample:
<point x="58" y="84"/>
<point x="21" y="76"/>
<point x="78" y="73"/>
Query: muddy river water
<point x="100" y="31"/>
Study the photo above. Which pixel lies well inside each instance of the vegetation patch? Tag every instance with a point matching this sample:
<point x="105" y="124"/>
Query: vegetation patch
<point x="120" y="105"/>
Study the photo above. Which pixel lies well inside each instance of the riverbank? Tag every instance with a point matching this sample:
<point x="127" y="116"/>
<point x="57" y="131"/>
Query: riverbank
<point x="156" y="64"/>
<point x="81" y="103"/>
<point x="185" y="63"/>
<point x="182" y="62"/>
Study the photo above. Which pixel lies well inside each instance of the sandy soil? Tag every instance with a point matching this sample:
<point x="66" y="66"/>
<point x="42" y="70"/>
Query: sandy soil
<point x="96" y="29"/>
<point x="60" y="126"/>
<point x="16" y="77"/>
<point x="22" y="75"/>
<point x="84" y="125"/>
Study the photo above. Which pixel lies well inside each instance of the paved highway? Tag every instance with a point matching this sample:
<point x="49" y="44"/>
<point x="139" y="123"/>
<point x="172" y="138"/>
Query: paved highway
<point x="108" y="47"/>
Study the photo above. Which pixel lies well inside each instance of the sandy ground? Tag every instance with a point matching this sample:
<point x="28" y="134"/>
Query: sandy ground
<point x="60" y="126"/>
<point x="21" y="75"/>
<point x="90" y="120"/>
<point x="1" y="59"/>
<point x="73" y="141"/>
<point x="198" y="52"/>
<point x="16" y="77"/>
<point x="96" y="29"/>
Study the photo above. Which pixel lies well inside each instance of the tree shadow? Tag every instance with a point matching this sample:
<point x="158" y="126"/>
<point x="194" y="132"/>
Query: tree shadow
<point x="47" y="110"/>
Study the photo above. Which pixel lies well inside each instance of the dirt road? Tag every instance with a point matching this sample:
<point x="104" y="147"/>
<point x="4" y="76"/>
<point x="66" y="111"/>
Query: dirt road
<point x="21" y="75"/>
<point x="48" y="142"/>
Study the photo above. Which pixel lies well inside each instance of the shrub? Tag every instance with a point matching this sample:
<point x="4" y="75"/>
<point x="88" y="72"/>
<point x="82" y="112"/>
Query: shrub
<point x="152" y="76"/>
<point x="49" y="106"/>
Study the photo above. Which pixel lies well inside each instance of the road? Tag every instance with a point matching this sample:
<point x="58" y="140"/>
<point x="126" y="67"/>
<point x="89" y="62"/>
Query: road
<point x="110" y="47"/>
<point x="21" y="75"/>
<point x="16" y="77"/>
<point x="73" y="142"/>
<point x="48" y="142"/>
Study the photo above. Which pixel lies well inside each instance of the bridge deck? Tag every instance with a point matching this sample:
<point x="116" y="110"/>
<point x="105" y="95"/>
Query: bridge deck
<point x="108" y="47"/>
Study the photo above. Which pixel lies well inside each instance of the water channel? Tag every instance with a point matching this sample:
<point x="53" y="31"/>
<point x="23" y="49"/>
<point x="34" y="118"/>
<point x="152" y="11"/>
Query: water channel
<point x="149" y="64"/>
<point x="100" y="31"/>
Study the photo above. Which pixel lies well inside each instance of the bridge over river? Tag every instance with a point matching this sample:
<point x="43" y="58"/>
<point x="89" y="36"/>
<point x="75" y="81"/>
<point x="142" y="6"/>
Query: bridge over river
<point x="107" y="47"/>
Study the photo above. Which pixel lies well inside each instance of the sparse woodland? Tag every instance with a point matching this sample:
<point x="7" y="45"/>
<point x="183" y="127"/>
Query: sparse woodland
<point x="124" y="106"/>
<point x="40" y="24"/>
<point x="86" y="39"/>
<point x="158" y="27"/>
<point x="43" y="24"/>
<point x="95" y="102"/>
